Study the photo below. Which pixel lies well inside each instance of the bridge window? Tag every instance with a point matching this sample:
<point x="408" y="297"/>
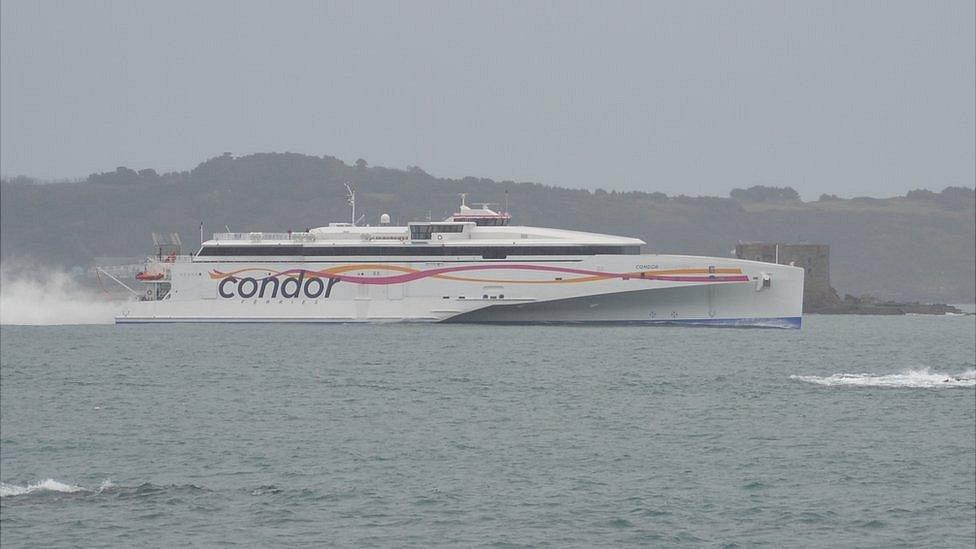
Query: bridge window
<point x="420" y="232"/>
<point x="446" y="228"/>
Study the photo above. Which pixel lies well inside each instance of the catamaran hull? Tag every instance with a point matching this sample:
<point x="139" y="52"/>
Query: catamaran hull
<point x="622" y="290"/>
<point x="697" y="305"/>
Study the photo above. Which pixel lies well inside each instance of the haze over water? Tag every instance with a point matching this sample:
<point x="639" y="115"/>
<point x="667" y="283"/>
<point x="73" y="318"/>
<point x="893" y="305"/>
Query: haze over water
<point x="852" y="431"/>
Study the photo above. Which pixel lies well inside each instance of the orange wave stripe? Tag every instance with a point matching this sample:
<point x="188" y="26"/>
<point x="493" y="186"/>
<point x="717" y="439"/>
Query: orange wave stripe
<point x="216" y="275"/>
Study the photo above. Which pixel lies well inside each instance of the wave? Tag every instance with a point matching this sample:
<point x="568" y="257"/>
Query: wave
<point x="912" y="379"/>
<point x="49" y="485"/>
<point x="107" y="488"/>
<point x="50" y="298"/>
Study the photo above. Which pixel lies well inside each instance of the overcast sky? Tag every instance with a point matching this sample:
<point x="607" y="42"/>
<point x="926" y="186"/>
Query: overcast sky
<point x="852" y="98"/>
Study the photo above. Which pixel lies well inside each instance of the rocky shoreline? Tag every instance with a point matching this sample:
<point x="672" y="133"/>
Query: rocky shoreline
<point x="867" y="305"/>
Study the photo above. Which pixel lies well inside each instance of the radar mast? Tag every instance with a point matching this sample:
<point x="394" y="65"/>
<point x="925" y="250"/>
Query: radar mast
<point x="351" y="199"/>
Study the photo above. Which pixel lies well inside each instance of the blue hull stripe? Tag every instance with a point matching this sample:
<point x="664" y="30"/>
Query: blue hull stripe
<point x="791" y="322"/>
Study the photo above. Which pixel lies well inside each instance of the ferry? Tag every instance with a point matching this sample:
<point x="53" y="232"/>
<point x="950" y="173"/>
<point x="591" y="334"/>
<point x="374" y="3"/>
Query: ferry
<point x="474" y="267"/>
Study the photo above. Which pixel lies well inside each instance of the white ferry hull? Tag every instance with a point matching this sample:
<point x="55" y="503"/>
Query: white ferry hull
<point x="697" y="305"/>
<point x="644" y="289"/>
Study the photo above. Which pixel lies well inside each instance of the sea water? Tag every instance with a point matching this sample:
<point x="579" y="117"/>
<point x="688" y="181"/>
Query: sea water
<point x="854" y="431"/>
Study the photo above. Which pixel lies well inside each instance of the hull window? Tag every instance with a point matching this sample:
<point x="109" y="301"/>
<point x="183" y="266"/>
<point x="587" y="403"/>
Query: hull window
<point x="487" y="252"/>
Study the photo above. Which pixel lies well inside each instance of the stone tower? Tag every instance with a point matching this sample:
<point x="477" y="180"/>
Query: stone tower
<point x="813" y="258"/>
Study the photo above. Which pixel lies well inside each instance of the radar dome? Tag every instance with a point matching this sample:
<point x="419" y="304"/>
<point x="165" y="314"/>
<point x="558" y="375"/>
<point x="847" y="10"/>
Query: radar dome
<point x="385" y="219"/>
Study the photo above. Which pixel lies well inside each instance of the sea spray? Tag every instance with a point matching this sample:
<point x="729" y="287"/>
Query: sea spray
<point x="53" y="486"/>
<point x="45" y="297"/>
<point x="910" y="379"/>
<point x="48" y="485"/>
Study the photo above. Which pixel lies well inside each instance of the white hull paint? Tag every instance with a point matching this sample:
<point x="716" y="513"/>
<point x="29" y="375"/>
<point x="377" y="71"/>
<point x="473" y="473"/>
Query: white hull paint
<point x="517" y="290"/>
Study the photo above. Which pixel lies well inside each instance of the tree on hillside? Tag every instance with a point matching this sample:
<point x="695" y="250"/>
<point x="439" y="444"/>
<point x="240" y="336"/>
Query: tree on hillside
<point x="958" y="193"/>
<point x="956" y="198"/>
<point x="121" y="176"/>
<point x="920" y="194"/>
<point x="762" y="193"/>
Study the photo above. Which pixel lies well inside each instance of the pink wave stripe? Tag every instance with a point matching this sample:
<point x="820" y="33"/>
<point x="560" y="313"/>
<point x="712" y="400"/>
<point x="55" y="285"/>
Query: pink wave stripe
<point x="409" y="277"/>
<point x="732" y="278"/>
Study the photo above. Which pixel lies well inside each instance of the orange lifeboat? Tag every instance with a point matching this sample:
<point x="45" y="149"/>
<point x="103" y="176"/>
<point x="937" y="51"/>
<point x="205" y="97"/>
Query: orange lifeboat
<point x="149" y="276"/>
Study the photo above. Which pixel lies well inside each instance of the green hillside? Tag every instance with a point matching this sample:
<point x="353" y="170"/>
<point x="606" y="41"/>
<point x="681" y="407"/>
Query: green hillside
<point x="920" y="246"/>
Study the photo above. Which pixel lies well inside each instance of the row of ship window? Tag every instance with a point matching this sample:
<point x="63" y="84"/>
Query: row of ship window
<point x="424" y="232"/>
<point x="487" y="252"/>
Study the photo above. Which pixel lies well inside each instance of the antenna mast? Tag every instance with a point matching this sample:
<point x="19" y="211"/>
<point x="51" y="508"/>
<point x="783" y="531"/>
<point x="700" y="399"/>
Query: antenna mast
<point x="351" y="198"/>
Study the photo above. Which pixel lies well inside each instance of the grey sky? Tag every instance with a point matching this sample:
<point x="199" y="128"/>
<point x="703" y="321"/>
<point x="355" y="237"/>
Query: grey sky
<point x="852" y="98"/>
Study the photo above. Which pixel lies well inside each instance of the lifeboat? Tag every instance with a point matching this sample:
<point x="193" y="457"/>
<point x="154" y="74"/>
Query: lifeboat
<point x="149" y="276"/>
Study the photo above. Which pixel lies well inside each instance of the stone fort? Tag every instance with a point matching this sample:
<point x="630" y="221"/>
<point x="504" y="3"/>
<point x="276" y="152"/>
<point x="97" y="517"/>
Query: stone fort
<point x="814" y="258"/>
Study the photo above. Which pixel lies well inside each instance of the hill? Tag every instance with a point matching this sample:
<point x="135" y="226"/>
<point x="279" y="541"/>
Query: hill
<point x="916" y="247"/>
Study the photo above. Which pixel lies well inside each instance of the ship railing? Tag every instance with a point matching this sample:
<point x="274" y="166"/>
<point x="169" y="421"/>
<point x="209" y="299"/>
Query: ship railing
<point x="259" y="237"/>
<point x="390" y="237"/>
<point x="171" y="258"/>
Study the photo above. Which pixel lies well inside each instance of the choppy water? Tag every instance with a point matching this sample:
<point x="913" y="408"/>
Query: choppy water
<point x="854" y="431"/>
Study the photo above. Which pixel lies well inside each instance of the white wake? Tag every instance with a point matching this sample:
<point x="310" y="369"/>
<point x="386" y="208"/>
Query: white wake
<point x="923" y="379"/>
<point x="49" y="485"/>
<point x="48" y="298"/>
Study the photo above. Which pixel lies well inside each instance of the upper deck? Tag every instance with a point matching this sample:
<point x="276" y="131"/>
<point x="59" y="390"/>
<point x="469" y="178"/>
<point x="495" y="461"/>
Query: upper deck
<point x="470" y="232"/>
